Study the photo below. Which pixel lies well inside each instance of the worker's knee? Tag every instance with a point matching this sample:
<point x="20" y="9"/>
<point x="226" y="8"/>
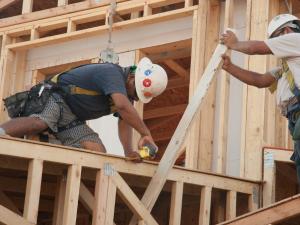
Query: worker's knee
<point x="38" y="125"/>
<point x="93" y="146"/>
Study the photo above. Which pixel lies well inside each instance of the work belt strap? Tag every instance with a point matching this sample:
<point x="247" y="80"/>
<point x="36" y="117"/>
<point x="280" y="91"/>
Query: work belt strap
<point x="285" y="71"/>
<point x="73" y="89"/>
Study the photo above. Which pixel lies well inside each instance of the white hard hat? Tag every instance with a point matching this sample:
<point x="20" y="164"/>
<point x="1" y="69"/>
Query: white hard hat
<point x="278" y="21"/>
<point x="150" y="80"/>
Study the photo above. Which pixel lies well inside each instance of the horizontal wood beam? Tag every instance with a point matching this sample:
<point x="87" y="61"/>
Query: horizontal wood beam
<point x="61" y="10"/>
<point x="67" y="156"/>
<point x="6" y="3"/>
<point x="165" y="111"/>
<point x="103" y="29"/>
<point x="277" y="212"/>
<point x="177" y="83"/>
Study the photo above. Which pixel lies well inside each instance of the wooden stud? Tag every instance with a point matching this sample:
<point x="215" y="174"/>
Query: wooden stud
<point x="230" y="205"/>
<point x="27" y="6"/>
<point x="176" y="143"/>
<point x="9" y="217"/>
<point x="33" y="189"/>
<point x="269" y="177"/>
<point x="34" y="34"/>
<point x="134" y="15"/>
<point x="101" y="195"/>
<point x="110" y="205"/>
<point x="221" y="133"/>
<point x="176" y="203"/>
<point x="59" y="200"/>
<point x="19" y="72"/>
<point x="62" y="2"/>
<point x="147" y="9"/>
<point x="71" y="26"/>
<point x="207" y="116"/>
<point x="72" y="195"/>
<point x="256" y="97"/>
<point x="188" y="3"/>
<point x="197" y="67"/>
<point x="205" y="204"/>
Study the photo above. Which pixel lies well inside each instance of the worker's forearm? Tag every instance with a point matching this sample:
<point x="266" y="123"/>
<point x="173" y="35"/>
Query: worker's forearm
<point x="246" y="76"/>
<point x="130" y="115"/>
<point x="247" y="47"/>
<point x="125" y="135"/>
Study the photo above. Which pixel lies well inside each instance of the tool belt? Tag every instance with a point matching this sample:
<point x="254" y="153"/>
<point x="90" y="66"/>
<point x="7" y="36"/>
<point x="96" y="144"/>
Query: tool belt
<point x="288" y="106"/>
<point x="28" y="102"/>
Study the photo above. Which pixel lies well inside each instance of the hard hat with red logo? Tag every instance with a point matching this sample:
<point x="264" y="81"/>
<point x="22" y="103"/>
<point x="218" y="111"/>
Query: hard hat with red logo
<point x="150" y="80"/>
<point x="281" y="21"/>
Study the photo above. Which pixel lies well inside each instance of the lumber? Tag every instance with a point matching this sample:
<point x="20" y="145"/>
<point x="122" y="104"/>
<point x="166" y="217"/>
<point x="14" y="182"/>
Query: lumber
<point x="132" y="201"/>
<point x="86" y="198"/>
<point x="101" y="195"/>
<point x="176" y="203"/>
<point x="164" y="111"/>
<point x="175" y="145"/>
<point x="11" y="218"/>
<point x="270" y="215"/>
<point x="197" y="68"/>
<point x="6" y="3"/>
<point x="230" y="205"/>
<point x="8" y="203"/>
<point x="66" y="155"/>
<point x="205" y="204"/>
<point x="224" y="82"/>
<point x="102" y="29"/>
<point x="48" y="13"/>
<point x="254" y="126"/>
<point x="59" y="200"/>
<point x="173" y="65"/>
<point x="27" y="6"/>
<point x="72" y="195"/>
<point x="62" y="2"/>
<point x="33" y="189"/>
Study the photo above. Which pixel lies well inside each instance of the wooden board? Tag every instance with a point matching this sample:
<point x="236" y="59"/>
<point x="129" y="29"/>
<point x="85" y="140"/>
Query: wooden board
<point x="177" y="140"/>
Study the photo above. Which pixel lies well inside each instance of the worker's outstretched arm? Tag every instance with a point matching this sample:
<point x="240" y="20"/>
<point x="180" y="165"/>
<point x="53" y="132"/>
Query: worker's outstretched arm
<point x="131" y="117"/>
<point x="252" y="78"/>
<point x="248" y="47"/>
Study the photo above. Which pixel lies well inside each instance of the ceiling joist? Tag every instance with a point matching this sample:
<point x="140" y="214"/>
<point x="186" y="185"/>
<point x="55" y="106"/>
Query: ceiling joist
<point x="178" y="69"/>
<point x="6" y="3"/>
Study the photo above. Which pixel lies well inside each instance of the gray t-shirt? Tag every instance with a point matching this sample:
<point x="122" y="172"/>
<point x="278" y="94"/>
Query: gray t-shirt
<point x="105" y="78"/>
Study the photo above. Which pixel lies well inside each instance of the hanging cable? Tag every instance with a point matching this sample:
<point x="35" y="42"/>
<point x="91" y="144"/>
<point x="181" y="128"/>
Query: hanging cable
<point x="108" y="55"/>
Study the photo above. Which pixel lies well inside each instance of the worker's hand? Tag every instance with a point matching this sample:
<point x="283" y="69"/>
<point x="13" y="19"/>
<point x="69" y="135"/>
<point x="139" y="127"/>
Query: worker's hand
<point x="226" y="62"/>
<point x="133" y="156"/>
<point x="147" y="139"/>
<point x="229" y="39"/>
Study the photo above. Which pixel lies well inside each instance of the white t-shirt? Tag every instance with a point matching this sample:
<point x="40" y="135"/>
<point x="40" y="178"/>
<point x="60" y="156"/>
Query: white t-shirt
<point x="286" y="47"/>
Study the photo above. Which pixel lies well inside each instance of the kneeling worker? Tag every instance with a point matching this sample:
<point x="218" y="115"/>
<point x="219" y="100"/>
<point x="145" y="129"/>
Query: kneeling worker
<point x="89" y="92"/>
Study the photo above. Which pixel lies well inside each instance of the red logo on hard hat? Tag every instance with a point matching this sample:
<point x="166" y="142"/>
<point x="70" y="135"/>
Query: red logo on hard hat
<point x="147" y="82"/>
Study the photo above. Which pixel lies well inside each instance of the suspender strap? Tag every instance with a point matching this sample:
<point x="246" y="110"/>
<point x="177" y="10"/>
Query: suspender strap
<point x="290" y="78"/>
<point x="73" y="89"/>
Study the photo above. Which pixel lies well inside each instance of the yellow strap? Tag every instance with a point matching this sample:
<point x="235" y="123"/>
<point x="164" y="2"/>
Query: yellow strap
<point x="76" y="90"/>
<point x="284" y="71"/>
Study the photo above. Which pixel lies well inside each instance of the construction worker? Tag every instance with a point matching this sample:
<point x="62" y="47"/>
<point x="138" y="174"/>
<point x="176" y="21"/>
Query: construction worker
<point x="88" y="92"/>
<point x="283" y="42"/>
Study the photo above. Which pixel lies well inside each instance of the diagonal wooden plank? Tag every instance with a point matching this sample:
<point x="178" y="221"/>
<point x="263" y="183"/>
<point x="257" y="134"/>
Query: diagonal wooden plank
<point x="156" y="184"/>
<point x="10" y="218"/>
<point x="270" y="215"/>
<point x="6" y="3"/>
<point x="173" y="65"/>
<point x="132" y="200"/>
